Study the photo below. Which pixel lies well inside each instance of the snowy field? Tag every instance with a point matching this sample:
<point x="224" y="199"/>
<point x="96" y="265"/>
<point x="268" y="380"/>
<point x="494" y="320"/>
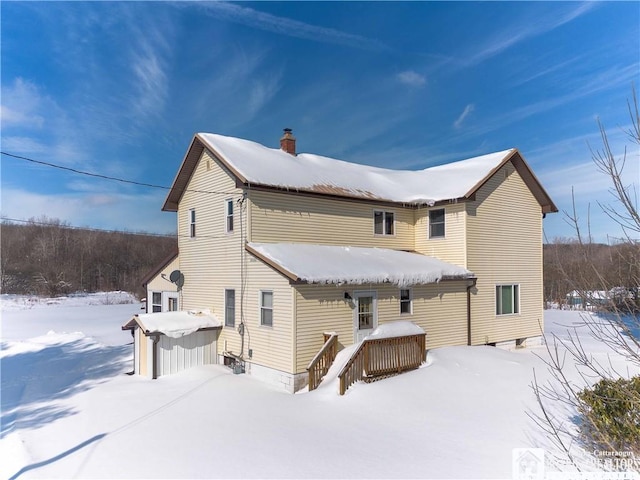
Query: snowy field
<point x="69" y="410"/>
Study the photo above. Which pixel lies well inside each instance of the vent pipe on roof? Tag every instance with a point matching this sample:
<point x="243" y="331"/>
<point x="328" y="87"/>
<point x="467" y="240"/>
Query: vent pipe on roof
<point x="288" y="142"/>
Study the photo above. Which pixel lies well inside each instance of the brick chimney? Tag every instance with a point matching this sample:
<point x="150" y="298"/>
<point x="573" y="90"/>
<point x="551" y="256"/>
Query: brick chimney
<point x="288" y="142"/>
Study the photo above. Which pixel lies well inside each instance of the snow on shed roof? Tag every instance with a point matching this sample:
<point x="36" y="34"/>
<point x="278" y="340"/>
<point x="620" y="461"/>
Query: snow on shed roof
<point x="354" y="265"/>
<point x="256" y="164"/>
<point x="174" y="324"/>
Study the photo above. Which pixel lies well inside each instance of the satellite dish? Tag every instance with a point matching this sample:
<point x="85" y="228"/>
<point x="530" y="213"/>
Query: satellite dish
<point x="178" y="278"/>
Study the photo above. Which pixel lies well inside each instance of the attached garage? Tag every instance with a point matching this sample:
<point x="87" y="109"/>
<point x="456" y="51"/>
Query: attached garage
<point x="169" y="342"/>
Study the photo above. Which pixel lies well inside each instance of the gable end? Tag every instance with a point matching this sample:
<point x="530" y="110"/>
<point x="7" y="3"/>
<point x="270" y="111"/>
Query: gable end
<point x="529" y="178"/>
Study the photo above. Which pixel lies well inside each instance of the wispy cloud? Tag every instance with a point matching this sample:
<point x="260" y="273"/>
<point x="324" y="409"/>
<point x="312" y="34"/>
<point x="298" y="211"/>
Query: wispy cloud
<point x="149" y="58"/>
<point x="584" y="87"/>
<point x="465" y="113"/>
<point x="261" y="92"/>
<point x="21" y="105"/>
<point x="232" y="12"/>
<point x="411" y="78"/>
<point x="526" y="29"/>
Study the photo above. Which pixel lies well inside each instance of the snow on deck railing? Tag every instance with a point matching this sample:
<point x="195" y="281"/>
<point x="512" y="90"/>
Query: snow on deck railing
<point x="378" y="357"/>
<point x="319" y="366"/>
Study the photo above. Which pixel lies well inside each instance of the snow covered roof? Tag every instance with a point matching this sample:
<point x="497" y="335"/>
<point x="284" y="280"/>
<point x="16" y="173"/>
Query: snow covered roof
<point x="354" y="265"/>
<point x="255" y="164"/>
<point x="174" y="324"/>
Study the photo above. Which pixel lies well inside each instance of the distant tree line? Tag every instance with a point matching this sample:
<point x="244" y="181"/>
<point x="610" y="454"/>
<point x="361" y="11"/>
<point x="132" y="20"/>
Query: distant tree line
<point x="586" y="267"/>
<point x="46" y="256"/>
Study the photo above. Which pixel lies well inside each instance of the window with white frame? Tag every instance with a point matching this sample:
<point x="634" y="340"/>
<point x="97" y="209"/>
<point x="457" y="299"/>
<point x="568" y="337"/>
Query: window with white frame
<point x="405" y="301"/>
<point x="507" y="299"/>
<point x="383" y="222"/>
<point x="156" y="302"/>
<point x="229" y="308"/>
<point x="229" y="215"/>
<point x="192" y="222"/>
<point x="172" y="305"/>
<point x="266" y="308"/>
<point x="436" y="223"/>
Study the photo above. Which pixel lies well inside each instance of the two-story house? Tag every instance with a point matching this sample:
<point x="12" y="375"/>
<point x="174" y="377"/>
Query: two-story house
<point x="283" y="247"/>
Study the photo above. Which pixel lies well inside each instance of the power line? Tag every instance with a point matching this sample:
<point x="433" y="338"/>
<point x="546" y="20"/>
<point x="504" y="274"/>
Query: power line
<point x="105" y="177"/>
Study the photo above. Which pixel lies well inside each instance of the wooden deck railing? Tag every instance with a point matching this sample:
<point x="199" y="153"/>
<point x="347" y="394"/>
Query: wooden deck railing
<point x="319" y="366"/>
<point x="383" y="356"/>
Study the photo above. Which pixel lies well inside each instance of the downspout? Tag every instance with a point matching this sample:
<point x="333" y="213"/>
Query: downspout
<point x="154" y="349"/>
<point x="133" y="336"/>
<point x="469" y="287"/>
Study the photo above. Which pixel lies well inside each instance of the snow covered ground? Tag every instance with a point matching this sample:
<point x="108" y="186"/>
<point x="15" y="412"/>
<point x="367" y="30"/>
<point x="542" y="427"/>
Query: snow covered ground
<point x="69" y="410"/>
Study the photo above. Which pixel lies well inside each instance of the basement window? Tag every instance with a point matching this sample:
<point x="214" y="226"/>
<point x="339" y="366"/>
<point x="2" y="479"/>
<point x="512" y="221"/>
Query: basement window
<point x="507" y="299"/>
<point x="383" y="223"/>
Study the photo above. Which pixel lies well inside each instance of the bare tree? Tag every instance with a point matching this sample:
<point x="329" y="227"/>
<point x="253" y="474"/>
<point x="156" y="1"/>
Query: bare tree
<point x="605" y="400"/>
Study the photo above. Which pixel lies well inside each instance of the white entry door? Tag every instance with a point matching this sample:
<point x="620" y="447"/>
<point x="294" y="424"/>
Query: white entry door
<point x="365" y="314"/>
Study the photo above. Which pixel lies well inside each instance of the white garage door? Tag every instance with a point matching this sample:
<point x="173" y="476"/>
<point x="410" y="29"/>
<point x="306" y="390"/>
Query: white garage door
<point x="177" y="354"/>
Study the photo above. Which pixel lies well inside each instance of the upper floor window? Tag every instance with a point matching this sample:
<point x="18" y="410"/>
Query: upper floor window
<point x="383" y="222"/>
<point x="405" y="301"/>
<point x="507" y="299"/>
<point x="229" y="215"/>
<point x="229" y="308"/>
<point x="192" y="222"/>
<point x="436" y="223"/>
<point x="266" y="308"/>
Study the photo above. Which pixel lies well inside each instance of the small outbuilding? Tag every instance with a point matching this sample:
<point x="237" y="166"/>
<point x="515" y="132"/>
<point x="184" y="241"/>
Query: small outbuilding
<point x="169" y="342"/>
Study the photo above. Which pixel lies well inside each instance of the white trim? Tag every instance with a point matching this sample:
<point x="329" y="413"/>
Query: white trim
<point x="384" y="222"/>
<point x="359" y="334"/>
<point x="261" y="307"/>
<point x="224" y="323"/>
<point x="192" y="222"/>
<point x="444" y="223"/>
<point x="410" y="312"/>
<point x="227" y="202"/>
<point x="154" y="303"/>
<point x="514" y="297"/>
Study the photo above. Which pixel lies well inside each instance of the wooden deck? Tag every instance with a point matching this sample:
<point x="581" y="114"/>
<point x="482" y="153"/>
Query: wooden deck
<point x="382" y="357"/>
<point x="319" y="366"/>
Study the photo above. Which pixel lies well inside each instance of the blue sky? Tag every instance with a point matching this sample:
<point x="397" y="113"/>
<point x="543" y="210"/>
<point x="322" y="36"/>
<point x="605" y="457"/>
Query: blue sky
<point x="120" y="89"/>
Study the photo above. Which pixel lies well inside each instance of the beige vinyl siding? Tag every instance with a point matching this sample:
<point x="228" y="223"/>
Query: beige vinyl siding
<point x="450" y="248"/>
<point x="159" y="284"/>
<point x="143" y="353"/>
<point x="211" y="263"/>
<point x="211" y="260"/>
<point x="504" y="230"/>
<point x="272" y="346"/>
<point x="440" y="309"/>
<point x="287" y="217"/>
<point x="319" y="309"/>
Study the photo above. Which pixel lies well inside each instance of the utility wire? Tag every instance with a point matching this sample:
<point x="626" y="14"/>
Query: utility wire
<point x="105" y="177"/>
